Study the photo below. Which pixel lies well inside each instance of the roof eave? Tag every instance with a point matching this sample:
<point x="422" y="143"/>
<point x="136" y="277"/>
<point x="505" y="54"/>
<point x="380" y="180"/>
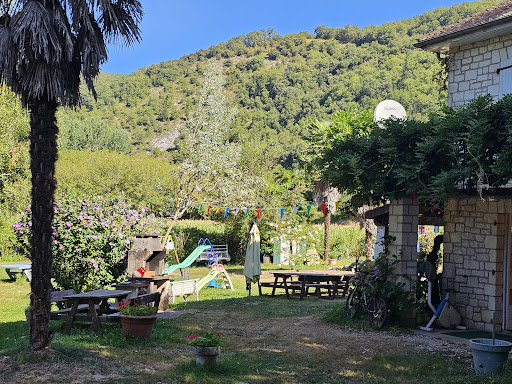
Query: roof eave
<point x="467" y="36"/>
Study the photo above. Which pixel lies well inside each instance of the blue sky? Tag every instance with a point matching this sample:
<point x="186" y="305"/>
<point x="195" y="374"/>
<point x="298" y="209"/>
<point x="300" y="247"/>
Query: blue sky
<point x="173" y="28"/>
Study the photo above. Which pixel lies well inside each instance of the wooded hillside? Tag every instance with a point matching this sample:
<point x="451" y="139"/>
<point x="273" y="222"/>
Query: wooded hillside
<point x="283" y="84"/>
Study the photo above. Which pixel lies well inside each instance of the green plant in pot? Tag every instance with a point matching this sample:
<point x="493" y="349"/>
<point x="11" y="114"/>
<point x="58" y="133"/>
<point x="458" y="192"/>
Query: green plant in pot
<point x="137" y="320"/>
<point x="206" y="346"/>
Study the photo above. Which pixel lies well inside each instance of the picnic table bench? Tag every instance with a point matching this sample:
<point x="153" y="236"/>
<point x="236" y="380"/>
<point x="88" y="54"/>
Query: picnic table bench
<point x="22" y="267"/>
<point x="90" y="307"/>
<point x="325" y="285"/>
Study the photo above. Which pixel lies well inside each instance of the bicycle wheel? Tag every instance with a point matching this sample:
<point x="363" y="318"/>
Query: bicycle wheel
<point x="353" y="303"/>
<point x="379" y="311"/>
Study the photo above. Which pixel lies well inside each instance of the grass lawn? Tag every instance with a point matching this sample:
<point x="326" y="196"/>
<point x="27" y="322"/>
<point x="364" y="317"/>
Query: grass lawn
<point x="267" y="340"/>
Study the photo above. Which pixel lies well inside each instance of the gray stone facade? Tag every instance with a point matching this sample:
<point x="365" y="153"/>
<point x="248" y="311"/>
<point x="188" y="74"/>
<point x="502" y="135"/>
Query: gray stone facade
<point x="403" y="226"/>
<point x="473" y="258"/>
<point x="473" y="70"/>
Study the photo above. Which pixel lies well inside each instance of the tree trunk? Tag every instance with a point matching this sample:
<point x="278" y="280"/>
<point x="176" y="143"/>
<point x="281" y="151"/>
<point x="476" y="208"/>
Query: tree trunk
<point x="43" y="154"/>
<point x="368" y="244"/>
<point x="327" y="232"/>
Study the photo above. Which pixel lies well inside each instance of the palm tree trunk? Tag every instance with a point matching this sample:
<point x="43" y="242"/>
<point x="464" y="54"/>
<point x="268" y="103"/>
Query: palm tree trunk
<point x="43" y="154"/>
<point x="327" y="232"/>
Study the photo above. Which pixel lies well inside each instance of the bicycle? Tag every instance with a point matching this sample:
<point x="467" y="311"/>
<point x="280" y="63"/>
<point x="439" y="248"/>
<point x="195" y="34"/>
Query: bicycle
<point x="365" y="292"/>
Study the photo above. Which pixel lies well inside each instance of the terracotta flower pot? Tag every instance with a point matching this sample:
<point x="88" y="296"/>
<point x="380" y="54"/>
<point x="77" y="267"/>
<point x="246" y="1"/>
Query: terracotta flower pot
<point x="207" y="355"/>
<point x="138" y="326"/>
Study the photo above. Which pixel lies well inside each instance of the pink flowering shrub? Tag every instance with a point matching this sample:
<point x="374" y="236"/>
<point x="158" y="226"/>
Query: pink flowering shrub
<point x="90" y="240"/>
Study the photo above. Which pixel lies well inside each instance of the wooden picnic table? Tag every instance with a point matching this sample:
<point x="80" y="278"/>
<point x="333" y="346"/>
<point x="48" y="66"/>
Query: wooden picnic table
<point x="336" y="284"/>
<point x="99" y="308"/>
<point x="22" y="267"/>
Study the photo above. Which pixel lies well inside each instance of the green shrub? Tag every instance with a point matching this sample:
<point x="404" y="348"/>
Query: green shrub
<point x="90" y="240"/>
<point x="347" y="241"/>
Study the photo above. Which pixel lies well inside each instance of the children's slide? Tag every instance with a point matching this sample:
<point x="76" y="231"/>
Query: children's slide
<point x="190" y="259"/>
<point x="215" y="270"/>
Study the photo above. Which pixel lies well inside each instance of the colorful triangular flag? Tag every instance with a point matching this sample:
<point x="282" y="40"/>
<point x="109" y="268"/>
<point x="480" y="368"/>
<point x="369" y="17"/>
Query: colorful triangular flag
<point x="324" y="206"/>
<point x="226" y="212"/>
<point x="308" y="208"/>
<point x="258" y="213"/>
<point x="295" y="209"/>
<point x="282" y="212"/>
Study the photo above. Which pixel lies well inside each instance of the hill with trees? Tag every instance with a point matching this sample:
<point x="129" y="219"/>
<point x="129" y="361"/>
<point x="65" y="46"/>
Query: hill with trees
<point x="281" y="85"/>
<point x="135" y="137"/>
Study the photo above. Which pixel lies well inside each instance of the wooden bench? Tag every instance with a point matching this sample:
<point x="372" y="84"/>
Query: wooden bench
<point x="183" y="288"/>
<point x="21" y="267"/>
<point x="333" y="289"/>
<point x="151" y="299"/>
<point x="292" y="286"/>
<point x="221" y="252"/>
<point x="57" y="298"/>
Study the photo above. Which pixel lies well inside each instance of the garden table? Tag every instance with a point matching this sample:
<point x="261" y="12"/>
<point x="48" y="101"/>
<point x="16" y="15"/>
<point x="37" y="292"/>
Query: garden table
<point x="22" y="267"/>
<point x="301" y="281"/>
<point x="99" y="308"/>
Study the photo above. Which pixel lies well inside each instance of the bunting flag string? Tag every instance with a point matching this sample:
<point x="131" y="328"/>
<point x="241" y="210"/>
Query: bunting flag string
<point x="215" y="209"/>
<point x="269" y="211"/>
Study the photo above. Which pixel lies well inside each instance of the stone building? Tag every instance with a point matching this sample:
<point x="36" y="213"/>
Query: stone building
<point x="477" y="260"/>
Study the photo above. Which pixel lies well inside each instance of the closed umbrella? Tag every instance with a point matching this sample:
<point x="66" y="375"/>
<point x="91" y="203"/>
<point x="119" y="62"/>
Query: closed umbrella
<point x="252" y="266"/>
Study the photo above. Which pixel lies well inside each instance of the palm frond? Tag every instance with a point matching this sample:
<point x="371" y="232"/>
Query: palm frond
<point x="120" y="20"/>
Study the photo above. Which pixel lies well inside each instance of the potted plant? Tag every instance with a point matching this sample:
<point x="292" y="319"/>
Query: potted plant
<point x="137" y="320"/>
<point x="489" y="355"/>
<point x="206" y="346"/>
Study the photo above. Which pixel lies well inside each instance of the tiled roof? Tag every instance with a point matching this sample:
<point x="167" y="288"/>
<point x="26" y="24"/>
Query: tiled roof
<point x="497" y="14"/>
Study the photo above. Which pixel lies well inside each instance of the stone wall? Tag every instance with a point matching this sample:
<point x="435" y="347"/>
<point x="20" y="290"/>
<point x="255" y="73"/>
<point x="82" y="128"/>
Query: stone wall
<point x="473" y="258"/>
<point x="403" y="225"/>
<point x="473" y="69"/>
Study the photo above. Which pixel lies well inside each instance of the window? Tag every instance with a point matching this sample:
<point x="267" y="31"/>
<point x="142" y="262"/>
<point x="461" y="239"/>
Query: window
<point x="505" y="73"/>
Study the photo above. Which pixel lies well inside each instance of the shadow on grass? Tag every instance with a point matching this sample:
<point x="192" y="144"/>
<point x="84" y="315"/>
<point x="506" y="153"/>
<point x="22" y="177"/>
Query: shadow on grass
<point x="430" y="368"/>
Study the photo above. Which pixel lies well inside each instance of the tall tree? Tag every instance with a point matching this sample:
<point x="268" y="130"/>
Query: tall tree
<point x="46" y="47"/>
<point x="212" y="170"/>
<point x="325" y="197"/>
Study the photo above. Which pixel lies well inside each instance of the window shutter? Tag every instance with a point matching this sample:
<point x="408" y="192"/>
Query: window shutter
<point x="505" y="72"/>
